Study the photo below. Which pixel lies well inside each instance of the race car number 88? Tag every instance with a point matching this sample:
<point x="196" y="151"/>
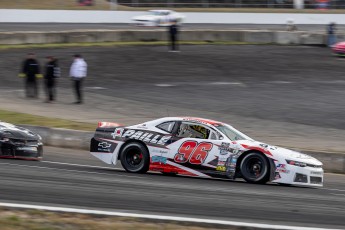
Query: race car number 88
<point x="192" y="152"/>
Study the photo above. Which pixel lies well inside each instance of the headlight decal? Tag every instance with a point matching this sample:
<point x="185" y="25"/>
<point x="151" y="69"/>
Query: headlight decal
<point x="296" y="163"/>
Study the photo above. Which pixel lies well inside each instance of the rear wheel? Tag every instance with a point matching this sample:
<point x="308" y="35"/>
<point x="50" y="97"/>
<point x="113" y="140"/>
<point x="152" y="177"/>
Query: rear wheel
<point x="135" y="158"/>
<point x="255" y="168"/>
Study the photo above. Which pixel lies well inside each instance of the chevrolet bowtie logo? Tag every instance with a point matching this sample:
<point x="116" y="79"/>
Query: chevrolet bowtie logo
<point x="104" y="145"/>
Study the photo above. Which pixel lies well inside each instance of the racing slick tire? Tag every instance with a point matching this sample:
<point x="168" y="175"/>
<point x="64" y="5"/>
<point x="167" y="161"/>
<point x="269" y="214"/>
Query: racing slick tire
<point x="255" y="168"/>
<point x="135" y="158"/>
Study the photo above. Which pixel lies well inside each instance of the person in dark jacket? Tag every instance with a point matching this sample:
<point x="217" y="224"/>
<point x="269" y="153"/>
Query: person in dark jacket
<point x="52" y="71"/>
<point x="331" y="39"/>
<point x="173" y="34"/>
<point x="31" y="70"/>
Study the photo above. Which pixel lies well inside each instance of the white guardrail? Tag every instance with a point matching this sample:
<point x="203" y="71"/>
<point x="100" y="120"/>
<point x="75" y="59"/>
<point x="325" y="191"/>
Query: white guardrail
<point x="76" y="16"/>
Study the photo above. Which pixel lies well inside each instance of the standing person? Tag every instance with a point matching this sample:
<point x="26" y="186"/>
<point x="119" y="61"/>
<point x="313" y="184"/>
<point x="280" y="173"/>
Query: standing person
<point x="78" y="72"/>
<point x="31" y="70"/>
<point x="331" y="39"/>
<point x="52" y="72"/>
<point x="173" y="32"/>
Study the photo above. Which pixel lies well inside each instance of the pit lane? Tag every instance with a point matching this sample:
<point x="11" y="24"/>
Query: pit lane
<point x="73" y="178"/>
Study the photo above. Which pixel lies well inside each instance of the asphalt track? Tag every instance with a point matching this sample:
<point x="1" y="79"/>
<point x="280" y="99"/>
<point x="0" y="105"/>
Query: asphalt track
<point x="295" y="84"/>
<point x="73" y="178"/>
<point x="4" y="27"/>
<point x="292" y="85"/>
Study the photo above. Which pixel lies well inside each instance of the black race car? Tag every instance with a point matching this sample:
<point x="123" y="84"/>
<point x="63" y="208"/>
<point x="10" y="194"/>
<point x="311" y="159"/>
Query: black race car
<point x="20" y="143"/>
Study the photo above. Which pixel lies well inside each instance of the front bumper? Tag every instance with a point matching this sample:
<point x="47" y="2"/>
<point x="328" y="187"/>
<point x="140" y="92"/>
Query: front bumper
<point x="301" y="176"/>
<point x="29" y="151"/>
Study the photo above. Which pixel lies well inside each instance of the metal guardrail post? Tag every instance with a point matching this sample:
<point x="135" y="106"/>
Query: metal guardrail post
<point x="238" y="3"/>
<point x="205" y="3"/>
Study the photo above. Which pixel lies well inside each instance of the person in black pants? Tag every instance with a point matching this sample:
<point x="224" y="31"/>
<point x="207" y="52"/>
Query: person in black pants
<point x="78" y="72"/>
<point x="30" y="70"/>
<point x="173" y="34"/>
<point x="52" y="71"/>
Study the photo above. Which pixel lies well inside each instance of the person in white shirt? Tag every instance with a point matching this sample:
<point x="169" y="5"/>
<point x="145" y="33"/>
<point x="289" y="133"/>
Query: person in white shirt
<point x="78" y="72"/>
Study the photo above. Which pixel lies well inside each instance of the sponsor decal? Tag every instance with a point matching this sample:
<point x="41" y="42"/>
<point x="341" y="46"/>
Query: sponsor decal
<point x="222" y="158"/>
<point x="161" y="151"/>
<point x="193" y="152"/>
<point x="158" y="159"/>
<point x="281" y="168"/>
<point x="117" y="133"/>
<point x="273" y="148"/>
<point x="265" y="146"/>
<point x="144" y="136"/>
<point x="128" y="133"/>
<point x="221" y="163"/>
<point x="277" y="176"/>
<point x="221" y="168"/>
<point x="197" y="121"/>
<point x="225" y="148"/>
<point x="104" y="147"/>
<point x="231" y="162"/>
<point x="180" y="158"/>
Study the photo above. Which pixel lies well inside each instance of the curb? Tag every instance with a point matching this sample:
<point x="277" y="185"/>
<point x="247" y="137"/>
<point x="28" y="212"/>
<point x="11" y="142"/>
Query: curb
<point x="75" y="139"/>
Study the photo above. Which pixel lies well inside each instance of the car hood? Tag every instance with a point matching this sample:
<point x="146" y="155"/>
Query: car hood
<point x="340" y="45"/>
<point x="279" y="153"/>
<point x="145" y="17"/>
<point x="12" y="131"/>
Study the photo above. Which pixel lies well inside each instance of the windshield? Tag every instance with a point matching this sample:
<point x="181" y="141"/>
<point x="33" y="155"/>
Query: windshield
<point x="232" y="133"/>
<point x="157" y="13"/>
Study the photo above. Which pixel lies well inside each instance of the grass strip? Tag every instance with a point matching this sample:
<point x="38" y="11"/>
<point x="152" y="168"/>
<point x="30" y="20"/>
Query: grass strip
<point x="18" y="219"/>
<point x="28" y="119"/>
<point x="138" y="43"/>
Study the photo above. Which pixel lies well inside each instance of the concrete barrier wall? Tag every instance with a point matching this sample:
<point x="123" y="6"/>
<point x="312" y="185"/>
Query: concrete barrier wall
<point x="65" y="138"/>
<point x="252" y="36"/>
<point x="82" y="16"/>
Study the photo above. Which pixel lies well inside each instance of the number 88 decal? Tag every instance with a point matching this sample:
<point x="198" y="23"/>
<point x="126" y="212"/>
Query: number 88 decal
<point x="192" y="152"/>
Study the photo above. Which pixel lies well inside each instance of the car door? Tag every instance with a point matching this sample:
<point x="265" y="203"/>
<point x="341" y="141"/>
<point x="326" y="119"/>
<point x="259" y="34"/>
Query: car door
<point x="193" y="148"/>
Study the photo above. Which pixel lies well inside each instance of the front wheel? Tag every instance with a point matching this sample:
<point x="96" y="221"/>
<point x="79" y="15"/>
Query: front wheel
<point x="135" y="158"/>
<point x="255" y="168"/>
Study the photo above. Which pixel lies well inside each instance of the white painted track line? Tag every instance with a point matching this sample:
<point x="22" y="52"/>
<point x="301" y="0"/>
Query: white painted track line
<point x="155" y="217"/>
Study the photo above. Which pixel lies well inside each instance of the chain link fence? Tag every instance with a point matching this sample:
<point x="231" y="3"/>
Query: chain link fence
<point x="123" y="4"/>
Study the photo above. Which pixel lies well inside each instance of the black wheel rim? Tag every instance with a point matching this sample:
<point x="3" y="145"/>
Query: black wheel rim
<point x="255" y="167"/>
<point x="134" y="158"/>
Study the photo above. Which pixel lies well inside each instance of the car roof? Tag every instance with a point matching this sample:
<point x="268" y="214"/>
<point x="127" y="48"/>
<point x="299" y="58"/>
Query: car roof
<point x="205" y="121"/>
<point x="160" y="11"/>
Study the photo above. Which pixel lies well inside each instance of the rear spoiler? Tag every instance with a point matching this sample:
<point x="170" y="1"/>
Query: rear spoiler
<point x="103" y="124"/>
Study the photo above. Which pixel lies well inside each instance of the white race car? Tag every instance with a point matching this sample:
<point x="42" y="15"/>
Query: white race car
<point x="201" y="147"/>
<point x="158" y="18"/>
